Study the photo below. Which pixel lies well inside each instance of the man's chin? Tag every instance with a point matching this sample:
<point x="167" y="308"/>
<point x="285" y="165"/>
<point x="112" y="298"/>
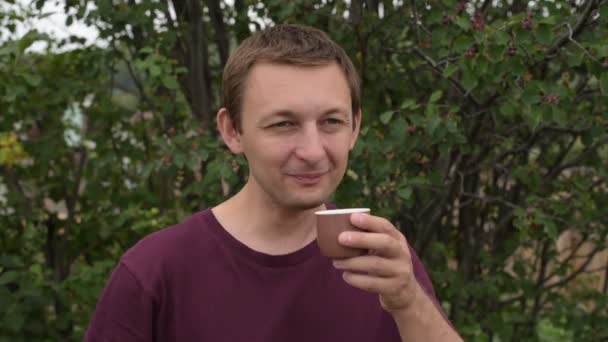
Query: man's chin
<point x="305" y="204"/>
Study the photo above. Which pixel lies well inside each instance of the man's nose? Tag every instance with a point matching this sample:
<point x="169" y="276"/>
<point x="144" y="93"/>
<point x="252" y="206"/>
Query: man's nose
<point x="310" y="146"/>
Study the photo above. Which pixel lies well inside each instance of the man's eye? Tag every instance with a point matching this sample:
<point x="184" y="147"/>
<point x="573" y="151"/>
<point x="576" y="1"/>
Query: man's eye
<point x="282" y="124"/>
<point x="332" y="121"/>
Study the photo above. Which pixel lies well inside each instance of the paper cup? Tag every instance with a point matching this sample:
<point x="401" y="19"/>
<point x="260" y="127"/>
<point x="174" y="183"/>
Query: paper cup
<point x="330" y="223"/>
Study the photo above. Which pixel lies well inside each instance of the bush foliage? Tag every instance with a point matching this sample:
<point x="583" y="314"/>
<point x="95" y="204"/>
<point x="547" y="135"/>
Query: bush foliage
<point x="484" y="140"/>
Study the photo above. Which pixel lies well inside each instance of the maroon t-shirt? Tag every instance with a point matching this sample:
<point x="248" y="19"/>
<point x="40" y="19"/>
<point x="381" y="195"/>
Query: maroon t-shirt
<point x="196" y="282"/>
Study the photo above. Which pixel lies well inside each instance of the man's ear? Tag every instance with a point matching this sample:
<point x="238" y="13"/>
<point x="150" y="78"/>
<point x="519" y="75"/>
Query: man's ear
<point x="227" y="128"/>
<point x="357" y="129"/>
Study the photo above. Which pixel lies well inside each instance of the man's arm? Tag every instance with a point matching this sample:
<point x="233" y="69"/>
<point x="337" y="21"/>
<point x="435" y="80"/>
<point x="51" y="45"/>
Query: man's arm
<point x="124" y="312"/>
<point x="388" y="271"/>
<point x="423" y="321"/>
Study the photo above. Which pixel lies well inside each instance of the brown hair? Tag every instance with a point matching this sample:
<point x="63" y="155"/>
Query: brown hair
<point x="285" y="44"/>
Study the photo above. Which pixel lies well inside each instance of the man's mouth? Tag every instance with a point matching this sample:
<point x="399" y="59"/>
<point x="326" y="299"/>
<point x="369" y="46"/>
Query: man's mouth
<point x="307" y="178"/>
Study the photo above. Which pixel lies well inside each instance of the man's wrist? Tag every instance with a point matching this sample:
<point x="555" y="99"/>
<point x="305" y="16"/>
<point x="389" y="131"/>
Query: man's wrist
<point x="414" y="304"/>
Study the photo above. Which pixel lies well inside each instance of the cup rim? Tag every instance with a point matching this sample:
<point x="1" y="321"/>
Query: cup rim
<point x="341" y="211"/>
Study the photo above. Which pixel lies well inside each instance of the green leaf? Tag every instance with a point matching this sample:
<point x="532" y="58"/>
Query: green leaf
<point x="386" y="117"/>
<point x="179" y="160"/>
<point x="155" y="70"/>
<point x="435" y="16"/>
<point x="7" y="49"/>
<point x="147" y="170"/>
<point x="469" y="80"/>
<point x="433" y="118"/>
<point x="604" y="12"/>
<point x="508" y="108"/>
<point x="534" y="118"/>
<point x="524" y="37"/>
<point x="409" y="104"/>
<point x="559" y="116"/>
<point x="436" y="96"/>
<point x="462" y="43"/>
<point x="14" y="321"/>
<point x="544" y="34"/>
<point x="205" y="153"/>
<point x="8" y="277"/>
<point x="495" y="53"/>
<point x="502" y="37"/>
<point x="192" y="164"/>
<point x="601" y="50"/>
<point x="10" y="261"/>
<point x="440" y="37"/>
<point x="530" y="97"/>
<point x="604" y="83"/>
<point x="575" y="58"/>
<point x="405" y="193"/>
<point x="463" y="22"/>
<point x="32" y="79"/>
<point x="450" y="70"/>
<point x="169" y="82"/>
<point x="516" y="67"/>
<point x="597" y="131"/>
<point x="147" y="50"/>
<point x="550" y="229"/>
<point x="482" y="66"/>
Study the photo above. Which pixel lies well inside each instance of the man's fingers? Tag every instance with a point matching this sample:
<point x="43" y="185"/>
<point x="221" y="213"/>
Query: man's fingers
<point x="380" y="243"/>
<point x="371" y="265"/>
<point x="375" y="224"/>
<point x="371" y="283"/>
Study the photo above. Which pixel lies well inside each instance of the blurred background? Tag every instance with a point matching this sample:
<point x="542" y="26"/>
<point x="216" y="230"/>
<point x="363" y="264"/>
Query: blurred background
<point x="485" y="141"/>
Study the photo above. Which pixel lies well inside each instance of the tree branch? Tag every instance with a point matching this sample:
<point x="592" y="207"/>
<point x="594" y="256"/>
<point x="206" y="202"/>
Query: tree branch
<point x="197" y="85"/>
<point x="564" y="39"/>
<point x="552" y="171"/>
<point x="585" y="154"/>
<point x="416" y="20"/>
<point x="221" y="35"/>
<point x="577" y="272"/>
<point x="453" y="81"/>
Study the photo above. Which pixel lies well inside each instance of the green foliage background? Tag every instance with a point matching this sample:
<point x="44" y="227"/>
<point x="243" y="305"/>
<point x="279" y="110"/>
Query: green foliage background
<point x="485" y="140"/>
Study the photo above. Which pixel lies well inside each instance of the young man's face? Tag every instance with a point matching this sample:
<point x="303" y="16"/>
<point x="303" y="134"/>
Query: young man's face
<point x="296" y="132"/>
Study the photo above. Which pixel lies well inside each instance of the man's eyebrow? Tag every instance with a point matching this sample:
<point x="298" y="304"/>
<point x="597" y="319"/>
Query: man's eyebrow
<point x="336" y="110"/>
<point x="281" y="113"/>
<point x="287" y="113"/>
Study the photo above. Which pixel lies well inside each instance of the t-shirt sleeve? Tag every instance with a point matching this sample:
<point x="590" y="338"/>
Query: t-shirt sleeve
<point x="124" y="312"/>
<point x="421" y="276"/>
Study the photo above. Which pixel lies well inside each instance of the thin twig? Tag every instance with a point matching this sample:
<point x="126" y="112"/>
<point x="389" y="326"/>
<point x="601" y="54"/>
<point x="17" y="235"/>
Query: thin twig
<point x="591" y="4"/>
<point x="416" y="20"/>
<point x="580" y="46"/>
<point x="433" y="65"/>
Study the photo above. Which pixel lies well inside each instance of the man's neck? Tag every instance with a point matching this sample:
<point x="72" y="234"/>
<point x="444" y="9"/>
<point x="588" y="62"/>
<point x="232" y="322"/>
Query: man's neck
<point x="264" y="226"/>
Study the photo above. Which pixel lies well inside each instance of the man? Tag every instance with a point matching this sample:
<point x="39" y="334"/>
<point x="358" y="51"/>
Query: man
<point x="249" y="269"/>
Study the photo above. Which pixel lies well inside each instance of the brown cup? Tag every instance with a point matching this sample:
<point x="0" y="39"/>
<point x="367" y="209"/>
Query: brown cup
<point x="330" y="223"/>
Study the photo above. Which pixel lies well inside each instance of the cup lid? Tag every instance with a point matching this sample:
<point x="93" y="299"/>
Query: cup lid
<point x="342" y="211"/>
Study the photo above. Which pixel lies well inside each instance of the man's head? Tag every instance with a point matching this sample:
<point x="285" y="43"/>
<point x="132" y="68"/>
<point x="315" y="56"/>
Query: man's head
<point x="283" y="44"/>
<point x="295" y="115"/>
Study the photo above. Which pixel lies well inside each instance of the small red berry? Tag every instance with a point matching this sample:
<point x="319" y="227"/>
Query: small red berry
<point x="471" y="52"/>
<point x="460" y="6"/>
<point x="411" y="129"/>
<point x="511" y="51"/>
<point x="478" y="21"/>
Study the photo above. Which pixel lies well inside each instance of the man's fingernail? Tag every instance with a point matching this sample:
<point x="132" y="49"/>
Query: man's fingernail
<point x="345" y="237"/>
<point x="356" y="218"/>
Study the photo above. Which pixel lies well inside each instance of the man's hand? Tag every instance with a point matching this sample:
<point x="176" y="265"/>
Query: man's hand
<point x="386" y="269"/>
